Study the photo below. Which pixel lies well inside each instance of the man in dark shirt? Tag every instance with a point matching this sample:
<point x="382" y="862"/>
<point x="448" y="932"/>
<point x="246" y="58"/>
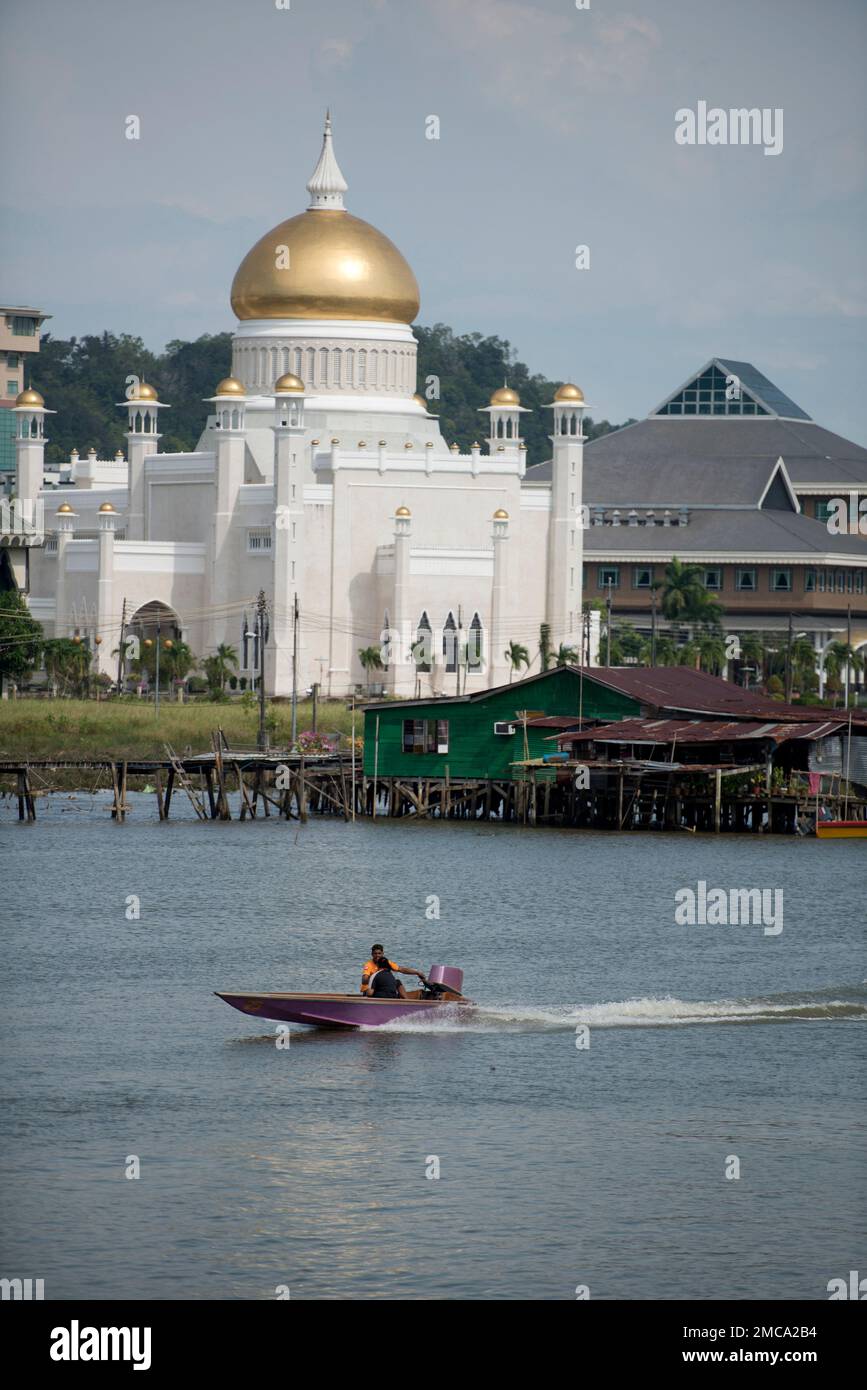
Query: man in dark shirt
<point x="383" y="984"/>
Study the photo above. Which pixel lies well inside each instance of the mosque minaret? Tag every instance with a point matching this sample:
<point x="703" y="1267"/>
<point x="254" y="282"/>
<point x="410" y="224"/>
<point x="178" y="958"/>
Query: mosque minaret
<point x="322" y="479"/>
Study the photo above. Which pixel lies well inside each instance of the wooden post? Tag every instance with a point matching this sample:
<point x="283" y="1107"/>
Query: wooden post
<point x="717" y="799"/>
<point x="170" y="786"/>
<point x="21" y="795"/>
<point x="620" y="800"/>
<point x="159" y="792"/>
<point x="28" y="796"/>
<point x="208" y="776"/>
<point x="302" y="795"/>
<point x="123" y="792"/>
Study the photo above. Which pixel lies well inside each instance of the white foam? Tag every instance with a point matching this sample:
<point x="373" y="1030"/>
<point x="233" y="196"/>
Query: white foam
<point x="651" y="1012"/>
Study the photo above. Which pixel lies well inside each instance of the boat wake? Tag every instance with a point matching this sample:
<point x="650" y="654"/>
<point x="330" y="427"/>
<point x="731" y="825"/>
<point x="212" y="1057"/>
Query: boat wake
<point x="841" y="1005"/>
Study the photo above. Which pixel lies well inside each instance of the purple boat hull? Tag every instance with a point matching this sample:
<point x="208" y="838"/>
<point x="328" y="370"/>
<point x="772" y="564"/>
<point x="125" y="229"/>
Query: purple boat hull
<point x="331" y="1010"/>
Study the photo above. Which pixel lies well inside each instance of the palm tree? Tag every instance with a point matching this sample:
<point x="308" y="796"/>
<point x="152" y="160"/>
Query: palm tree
<point x="178" y="660"/>
<point x="566" y="656"/>
<point x="545" y="646"/>
<point x="682" y="591"/>
<point x="838" y="656"/>
<point x="517" y="656"/>
<point x="712" y="652"/>
<point x="371" y="660"/>
<point x="226" y="662"/>
<point x="752" y="652"/>
<point x="666" y="651"/>
<point x="67" y="664"/>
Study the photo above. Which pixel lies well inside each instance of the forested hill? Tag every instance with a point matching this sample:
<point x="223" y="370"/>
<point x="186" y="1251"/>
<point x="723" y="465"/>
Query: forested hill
<point x="82" y="379"/>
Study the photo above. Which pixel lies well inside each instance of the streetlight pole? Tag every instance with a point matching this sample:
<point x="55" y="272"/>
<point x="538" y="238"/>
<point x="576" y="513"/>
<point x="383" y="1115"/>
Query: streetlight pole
<point x="789" y="663"/>
<point x="157" y="704"/>
<point x="294" y="737"/>
<point x="653" y="627"/>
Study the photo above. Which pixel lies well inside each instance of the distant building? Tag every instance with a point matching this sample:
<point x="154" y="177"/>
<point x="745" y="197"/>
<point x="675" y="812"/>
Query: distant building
<point x="729" y="474"/>
<point x="19" y="340"/>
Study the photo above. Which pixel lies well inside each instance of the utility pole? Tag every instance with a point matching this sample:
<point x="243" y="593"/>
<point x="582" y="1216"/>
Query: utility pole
<point x="262" y="741"/>
<point x="458" y="654"/>
<point x="653" y="627"/>
<point x="294" y="670"/>
<point x="789" y="663"/>
<point x="315" y="701"/>
<point x="608" y="626"/>
<point x="848" y="651"/>
<point x="157" y="702"/>
<point x="120" y="651"/>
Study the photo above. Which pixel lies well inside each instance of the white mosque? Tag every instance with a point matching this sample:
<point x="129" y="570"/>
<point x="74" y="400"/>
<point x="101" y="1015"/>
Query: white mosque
<point x="322" y="479"/>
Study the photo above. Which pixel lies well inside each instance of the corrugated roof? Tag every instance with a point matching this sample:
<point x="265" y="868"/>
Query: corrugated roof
<point x="746" y="532"/>
<point x="682" y="689"/>
<point x="689" y="731"/>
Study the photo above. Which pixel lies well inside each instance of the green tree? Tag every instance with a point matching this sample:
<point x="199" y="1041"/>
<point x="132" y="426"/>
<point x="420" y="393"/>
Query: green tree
<point x="517" y="656"/>
<point x="545" y="646"/>
<point x="21" y="639"/>
<point x="566" y="655"/>
<point x="371" y="660"/>
<point x="67" y="665"/>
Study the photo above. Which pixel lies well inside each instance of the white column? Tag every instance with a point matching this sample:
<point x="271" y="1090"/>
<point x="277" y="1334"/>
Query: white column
<point x="287" y="559"/>
<point x="65" y="523"/>
<point x="105" y="605"/>
<point x="565" y="533"/>
<point x="498" y="637"/>
<point x="401" y="675"/>
<point x="225" y="537"/>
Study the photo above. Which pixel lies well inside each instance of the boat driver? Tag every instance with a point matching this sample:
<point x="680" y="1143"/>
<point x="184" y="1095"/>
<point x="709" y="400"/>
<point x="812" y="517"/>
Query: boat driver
<point x="378" y="958"/>
<point x="383" y="985"/>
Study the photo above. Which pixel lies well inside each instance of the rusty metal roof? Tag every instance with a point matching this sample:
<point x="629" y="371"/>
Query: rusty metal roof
<point x="688" y="731"/>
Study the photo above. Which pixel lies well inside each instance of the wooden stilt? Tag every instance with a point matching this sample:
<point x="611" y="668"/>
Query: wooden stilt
<point x="159" y="791"/>
<point x="170" y="786"/>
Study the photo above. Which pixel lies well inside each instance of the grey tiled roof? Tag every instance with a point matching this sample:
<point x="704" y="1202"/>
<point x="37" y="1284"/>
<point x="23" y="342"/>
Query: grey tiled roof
<point x="666" y="460"/>
<point x="745" y="532"/>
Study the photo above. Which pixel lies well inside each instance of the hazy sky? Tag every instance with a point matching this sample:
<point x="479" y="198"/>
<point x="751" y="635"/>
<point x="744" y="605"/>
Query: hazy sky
<point x="557" y="130"/>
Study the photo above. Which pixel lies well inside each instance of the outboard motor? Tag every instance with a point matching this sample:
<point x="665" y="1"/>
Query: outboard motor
<point x="443" y="980"/>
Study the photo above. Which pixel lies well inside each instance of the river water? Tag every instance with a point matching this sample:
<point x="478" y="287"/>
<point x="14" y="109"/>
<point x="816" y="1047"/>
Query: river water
<point x="582" y="1119"/>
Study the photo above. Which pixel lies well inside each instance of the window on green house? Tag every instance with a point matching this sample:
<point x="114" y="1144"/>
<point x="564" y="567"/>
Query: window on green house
<point x="425" y="735"/>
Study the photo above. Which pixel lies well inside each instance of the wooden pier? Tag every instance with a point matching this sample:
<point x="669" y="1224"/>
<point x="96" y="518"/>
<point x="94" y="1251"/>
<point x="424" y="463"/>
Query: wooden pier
<point x="628" y="795"/>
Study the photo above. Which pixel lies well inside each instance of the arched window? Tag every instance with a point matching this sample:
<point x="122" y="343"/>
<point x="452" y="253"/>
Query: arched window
<point x="350" y="366"/>
<point x="423" y="647"/>
<point x="297" y="368"/>
<point x="475" y="644"/>
<point x="374" y="367"/>
<point x="323" y="366"/>
<point x="450" y="643"/>
<point x="337" y="379"/>
<point x="362" y="367"/>
<point x="311" y="367"/>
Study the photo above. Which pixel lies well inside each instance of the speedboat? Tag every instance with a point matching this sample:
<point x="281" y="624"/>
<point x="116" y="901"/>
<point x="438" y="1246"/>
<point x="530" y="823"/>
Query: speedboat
<point x="442" y="986"/>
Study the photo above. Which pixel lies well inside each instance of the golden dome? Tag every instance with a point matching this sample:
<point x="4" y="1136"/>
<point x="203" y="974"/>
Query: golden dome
<point x="403" y="511"/>
<point x="505" y="396"/>
<point x="106" y="507"/>
<point x="30" y="398"/>
<point x="289" y="382"/>
<point x="64" y="508"/>
<point x="501" y="515"/>
<point x="455" y="449"/>
<point x="143" y="392"/>
<point x="230" y="386"/>
<point x="340" y="268"/>
<point x="568" y="392"/>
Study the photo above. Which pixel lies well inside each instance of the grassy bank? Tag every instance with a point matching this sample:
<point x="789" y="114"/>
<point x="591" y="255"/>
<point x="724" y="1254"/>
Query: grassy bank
<point x="116" y="729"/>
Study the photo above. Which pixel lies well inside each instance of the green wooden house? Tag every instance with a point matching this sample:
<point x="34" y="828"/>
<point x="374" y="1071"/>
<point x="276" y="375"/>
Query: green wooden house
<point x="481" y="734"/>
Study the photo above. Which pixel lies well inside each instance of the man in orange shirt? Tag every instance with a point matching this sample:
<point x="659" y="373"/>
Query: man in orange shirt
<point x="378" y="958"/>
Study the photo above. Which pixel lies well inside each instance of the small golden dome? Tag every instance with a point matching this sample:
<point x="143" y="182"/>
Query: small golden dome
<point x="429" y="444"/>
<point x="420" y="400"/>
<point x="501" y="515"/>
<point x="505" y="396"/>
<point x="454" y="448"/>
<point x="568" y="392"/>
<point x="403" y="511"/>
<point x="501" y="448"/>
<point x="230" y="386"/>
<point x="522" y="448"/>
<point x="314" y="441"/>
<point x="98" y="641"/>
<point x="119" y="454"/>
<point x="362" y="443"/>
<point x="383" y="443"/>
<point x="143" y="392"/>
<point x="475" y="444"/>
<point x="335" y="440"/>
<point x="106" y="507"/>
<point x="408" y="444"/>
<point x="65" y="509"/>
<point x="30" y="398"/>
<point x="289" y="382"/>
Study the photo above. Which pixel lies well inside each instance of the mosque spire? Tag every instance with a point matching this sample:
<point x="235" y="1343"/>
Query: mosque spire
<point x="326" y="184"/>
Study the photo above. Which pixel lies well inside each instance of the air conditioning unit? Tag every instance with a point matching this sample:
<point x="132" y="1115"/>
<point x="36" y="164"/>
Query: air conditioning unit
<point x="503" y="728"/>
